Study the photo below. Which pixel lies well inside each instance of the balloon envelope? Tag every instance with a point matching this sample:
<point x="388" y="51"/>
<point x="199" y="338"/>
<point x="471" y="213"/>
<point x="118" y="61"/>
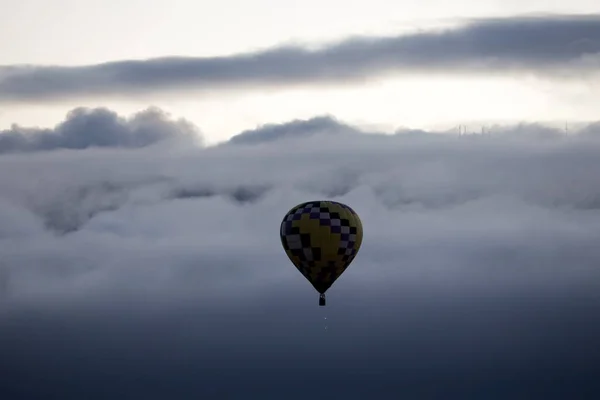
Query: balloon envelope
<point x="321" y="238"/>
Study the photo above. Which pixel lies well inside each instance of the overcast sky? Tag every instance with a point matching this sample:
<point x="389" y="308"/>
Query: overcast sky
<point x="149" y="150"/>
<point x="235" y="65"/>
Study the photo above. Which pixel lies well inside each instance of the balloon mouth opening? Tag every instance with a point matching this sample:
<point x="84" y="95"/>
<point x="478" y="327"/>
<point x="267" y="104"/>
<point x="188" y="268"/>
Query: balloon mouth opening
<point x="322" y="299"/>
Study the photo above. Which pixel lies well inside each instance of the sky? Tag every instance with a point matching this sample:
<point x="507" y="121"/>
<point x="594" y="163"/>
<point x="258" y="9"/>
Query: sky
<point x="236" y="65"/>
<point x="149" y="151"/>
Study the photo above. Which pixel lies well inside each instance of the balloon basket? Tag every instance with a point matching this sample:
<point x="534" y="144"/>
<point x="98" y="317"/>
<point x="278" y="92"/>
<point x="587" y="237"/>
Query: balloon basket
<point x="322" y="299"/>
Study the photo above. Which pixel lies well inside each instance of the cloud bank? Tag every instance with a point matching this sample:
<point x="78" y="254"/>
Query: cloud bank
<point x="157" y="272"/>
<point x="566" y="45"/>
<point x="84" y="128"/>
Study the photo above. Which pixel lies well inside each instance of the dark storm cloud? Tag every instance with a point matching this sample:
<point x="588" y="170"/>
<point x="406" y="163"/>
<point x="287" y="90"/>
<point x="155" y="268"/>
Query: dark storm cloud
<point x="98" y="127"/>
<point x="567" y="45"/>
<point x="157" y="272"/>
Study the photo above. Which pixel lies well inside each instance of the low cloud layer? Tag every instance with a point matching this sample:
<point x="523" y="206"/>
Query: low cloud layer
<point x="85" y="128"/>
<point x="157" y="272"/>
<point x="565" y="45"/>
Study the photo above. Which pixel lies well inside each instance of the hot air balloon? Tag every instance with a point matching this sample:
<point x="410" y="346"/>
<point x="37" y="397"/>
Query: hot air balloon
<point x="321" y="238"/>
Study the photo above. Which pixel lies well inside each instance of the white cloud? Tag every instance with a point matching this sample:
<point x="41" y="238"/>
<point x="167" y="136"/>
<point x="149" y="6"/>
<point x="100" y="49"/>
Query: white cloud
<point x="195" y="206"/>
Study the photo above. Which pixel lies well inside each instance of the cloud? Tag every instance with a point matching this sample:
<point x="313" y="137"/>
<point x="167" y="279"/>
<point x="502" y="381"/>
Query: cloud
<point x="157" y="272"/>
<point x="322" y="125"/>
<point x="566" y="45"/>
<point x="99" y="127"/>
